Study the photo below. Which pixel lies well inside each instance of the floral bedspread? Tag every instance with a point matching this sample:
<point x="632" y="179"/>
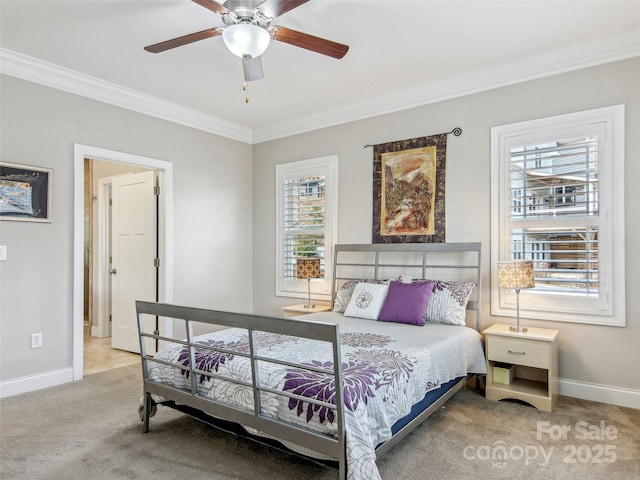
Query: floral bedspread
<point x="387" y="367"/>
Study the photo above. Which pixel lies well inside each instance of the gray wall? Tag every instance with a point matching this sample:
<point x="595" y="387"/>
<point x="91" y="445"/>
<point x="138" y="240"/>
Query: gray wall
<point x="217" y="234"/>
<point x="587" y="353"/>
<point x="212" y="216"/>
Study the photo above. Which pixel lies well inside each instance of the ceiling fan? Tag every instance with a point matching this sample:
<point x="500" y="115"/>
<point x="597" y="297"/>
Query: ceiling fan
<point x="248" y="32"/>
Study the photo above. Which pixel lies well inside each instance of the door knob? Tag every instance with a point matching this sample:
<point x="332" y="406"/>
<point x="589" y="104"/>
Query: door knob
<point x="112" y="272"/>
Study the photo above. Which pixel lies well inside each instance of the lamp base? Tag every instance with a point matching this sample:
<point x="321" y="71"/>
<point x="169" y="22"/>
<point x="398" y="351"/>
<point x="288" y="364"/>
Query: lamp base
<point x="309" y="306"/>
<point x="517" y="329"/>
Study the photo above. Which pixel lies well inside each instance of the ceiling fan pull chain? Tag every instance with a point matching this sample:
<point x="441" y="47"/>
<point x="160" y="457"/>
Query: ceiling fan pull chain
<point x="245" y="88"/>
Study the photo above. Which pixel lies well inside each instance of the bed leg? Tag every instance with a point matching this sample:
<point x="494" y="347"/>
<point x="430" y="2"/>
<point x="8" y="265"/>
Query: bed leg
<point x="146" y="412"/>
<point x="342" y="470"/>
<point x="342" y="463"/>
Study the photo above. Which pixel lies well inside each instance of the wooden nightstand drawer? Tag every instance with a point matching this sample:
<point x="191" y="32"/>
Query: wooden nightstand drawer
<point x="518" y="351"/>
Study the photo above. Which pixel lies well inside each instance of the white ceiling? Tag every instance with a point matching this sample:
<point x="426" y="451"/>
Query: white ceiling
<point x="402" y="54"/>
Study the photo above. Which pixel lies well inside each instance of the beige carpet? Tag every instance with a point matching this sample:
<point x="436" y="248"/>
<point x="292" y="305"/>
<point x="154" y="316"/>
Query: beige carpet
<point x="91" y="430"/>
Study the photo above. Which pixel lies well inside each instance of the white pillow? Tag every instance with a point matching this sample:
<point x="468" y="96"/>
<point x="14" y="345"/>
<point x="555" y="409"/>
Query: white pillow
<point x="367" y="300"/>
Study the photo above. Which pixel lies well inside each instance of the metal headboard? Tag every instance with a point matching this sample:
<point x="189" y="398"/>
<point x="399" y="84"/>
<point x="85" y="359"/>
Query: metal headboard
<point x="436" y="261"/>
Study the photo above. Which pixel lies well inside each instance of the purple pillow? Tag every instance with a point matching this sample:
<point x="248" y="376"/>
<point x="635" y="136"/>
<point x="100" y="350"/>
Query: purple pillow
<point x="406" y="303"/>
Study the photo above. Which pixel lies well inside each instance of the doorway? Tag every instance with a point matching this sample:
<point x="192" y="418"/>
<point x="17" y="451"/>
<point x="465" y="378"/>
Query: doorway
<point x="101" y="351"/>
<point x="165" y="276"/>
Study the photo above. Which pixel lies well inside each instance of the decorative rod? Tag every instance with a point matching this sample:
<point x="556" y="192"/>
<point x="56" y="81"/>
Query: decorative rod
<point x="456" y="131"/>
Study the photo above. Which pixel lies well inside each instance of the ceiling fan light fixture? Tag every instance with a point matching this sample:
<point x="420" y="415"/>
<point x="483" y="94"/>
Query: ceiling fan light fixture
<point x="246" y="40"/>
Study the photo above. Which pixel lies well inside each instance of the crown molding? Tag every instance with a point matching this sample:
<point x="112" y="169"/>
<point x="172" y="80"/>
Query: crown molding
<point x="34" y="70"/>
<point x="560" y="61"/>
<point x="621" y="47"/>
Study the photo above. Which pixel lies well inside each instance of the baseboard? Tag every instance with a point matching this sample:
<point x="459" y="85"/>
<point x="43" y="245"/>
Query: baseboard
<point x="622" y="397"/>
<point x="30" y="383"/>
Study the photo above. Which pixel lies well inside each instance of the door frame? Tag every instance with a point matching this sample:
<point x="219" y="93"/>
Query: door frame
<point x="165" y="247"/>
<point x="101" y="284"/>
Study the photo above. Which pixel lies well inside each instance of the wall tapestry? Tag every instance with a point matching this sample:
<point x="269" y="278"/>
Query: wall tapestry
<point x="409" y="190"/>
<point x="25" y="193"/>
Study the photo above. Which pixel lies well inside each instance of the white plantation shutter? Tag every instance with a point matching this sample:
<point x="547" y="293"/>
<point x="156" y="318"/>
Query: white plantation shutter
<point x="306" y="192"/>
<point x="554" y="212"/>
<point x="558" y="200"/>
<point x="304" y="222"/>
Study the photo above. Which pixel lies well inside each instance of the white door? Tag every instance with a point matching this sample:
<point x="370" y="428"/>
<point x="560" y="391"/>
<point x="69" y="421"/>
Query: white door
<point x="133" y="246"/>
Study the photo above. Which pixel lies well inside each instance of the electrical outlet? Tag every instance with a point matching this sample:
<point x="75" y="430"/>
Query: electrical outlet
<point x="36" y="340"/>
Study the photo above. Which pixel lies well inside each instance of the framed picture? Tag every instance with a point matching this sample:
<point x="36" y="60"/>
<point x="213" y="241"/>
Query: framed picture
<point x="409" y="190"/>
<point x="25" y="193"/>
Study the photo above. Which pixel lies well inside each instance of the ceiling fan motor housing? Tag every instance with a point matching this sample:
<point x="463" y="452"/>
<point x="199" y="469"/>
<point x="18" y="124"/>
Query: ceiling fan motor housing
<point x="247" y="4"/>
<point x="245" y="15"/>
<point x="241" y="11"/>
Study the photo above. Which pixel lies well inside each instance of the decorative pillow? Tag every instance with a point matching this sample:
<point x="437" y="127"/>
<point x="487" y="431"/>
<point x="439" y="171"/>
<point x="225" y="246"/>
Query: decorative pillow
<point x="448" y="302"/>
<point x="346" y="290"/>
<point x="367" y="300"/>
<point x="406" y="303"/>
<point x="344" y="295"/>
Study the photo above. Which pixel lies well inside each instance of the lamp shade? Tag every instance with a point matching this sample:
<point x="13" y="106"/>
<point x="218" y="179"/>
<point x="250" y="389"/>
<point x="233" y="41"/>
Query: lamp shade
<point x="309" y="268"/>
<point x="246" y="40"/>
<point x="516" y="274"/>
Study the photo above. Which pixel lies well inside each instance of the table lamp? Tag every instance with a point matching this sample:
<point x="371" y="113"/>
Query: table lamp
<point x="516" y="274"/>
<point x="309" y="268"/>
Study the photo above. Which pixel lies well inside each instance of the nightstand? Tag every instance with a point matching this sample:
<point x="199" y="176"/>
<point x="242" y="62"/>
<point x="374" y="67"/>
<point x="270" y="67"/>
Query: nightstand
<point x="534" y="355"/>
<point x="295" y="310"/>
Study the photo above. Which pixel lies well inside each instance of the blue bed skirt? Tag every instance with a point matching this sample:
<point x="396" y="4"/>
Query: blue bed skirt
<point x="419" y="407"/>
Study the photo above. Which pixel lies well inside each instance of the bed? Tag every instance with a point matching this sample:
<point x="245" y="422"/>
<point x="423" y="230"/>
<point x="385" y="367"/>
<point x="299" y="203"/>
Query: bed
<point x="397" y="356"/>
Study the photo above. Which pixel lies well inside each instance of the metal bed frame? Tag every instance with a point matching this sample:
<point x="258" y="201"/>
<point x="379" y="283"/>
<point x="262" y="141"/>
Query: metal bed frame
<point x="194" y="403"/>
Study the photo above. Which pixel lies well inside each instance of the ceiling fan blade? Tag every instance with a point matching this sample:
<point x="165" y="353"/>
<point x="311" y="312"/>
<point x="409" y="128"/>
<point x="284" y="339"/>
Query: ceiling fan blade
<point x="184" y="40"/>
<point x="215" y="7"/>
<point x="275" y="8"/>
<point x="252" y="69"/>
<point x="309" y="42"/>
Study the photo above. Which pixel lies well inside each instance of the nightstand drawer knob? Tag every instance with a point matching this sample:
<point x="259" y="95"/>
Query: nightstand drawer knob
<point x="516" y="353"/>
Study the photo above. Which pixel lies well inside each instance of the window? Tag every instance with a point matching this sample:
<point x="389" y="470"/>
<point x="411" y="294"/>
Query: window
<point x="558" y="200"/>
<point x="306" y="192"/>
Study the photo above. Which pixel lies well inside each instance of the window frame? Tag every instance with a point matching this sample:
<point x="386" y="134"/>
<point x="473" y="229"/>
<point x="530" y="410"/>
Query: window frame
<point x="608" y="308"/>
<point x="322" y="166"/>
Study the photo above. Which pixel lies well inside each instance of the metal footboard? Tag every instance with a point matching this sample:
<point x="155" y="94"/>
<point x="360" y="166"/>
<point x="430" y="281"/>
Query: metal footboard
<point x="255" y="417"/>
